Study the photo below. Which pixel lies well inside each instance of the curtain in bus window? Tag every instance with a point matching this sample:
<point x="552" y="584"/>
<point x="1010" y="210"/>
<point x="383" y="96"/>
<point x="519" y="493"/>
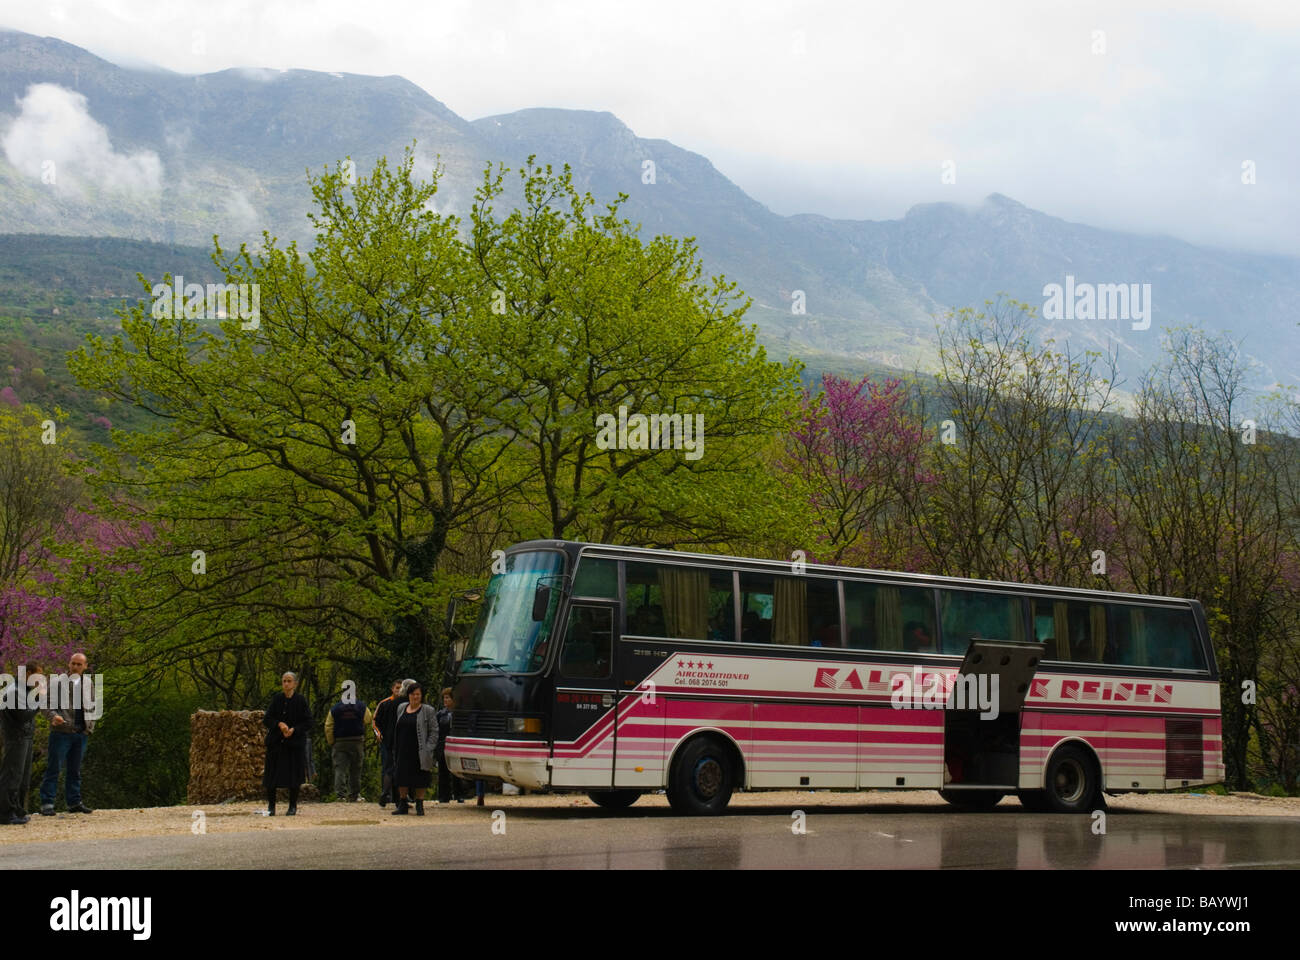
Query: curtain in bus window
<point x="1137" y="652"/>
<point x="1016" y="627"/>
<point x="889" y="619"/>
<point x="1061" y="616"/>
<point x="686" y="601"/>
<point x="790" y="611"/>
<point x="1098" y="617"/>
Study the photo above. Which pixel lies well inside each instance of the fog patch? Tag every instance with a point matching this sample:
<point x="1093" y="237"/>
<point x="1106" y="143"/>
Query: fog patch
<point x="55" y="140"/>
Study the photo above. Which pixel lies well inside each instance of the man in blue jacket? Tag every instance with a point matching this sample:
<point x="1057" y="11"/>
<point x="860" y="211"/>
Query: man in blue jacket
<point x="345" y="730"/>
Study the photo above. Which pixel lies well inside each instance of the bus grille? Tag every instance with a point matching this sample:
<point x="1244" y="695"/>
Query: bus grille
<point x="1184" y="756"/>
<point x="473" y="723"/>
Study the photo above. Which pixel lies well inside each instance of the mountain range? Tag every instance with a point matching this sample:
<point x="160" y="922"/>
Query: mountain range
<point x="89" y="148"/>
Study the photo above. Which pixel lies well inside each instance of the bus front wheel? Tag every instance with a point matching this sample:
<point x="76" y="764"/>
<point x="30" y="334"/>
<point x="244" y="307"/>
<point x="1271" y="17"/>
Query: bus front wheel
<point x="614" y="799"/>
<point x="702" y="778"/>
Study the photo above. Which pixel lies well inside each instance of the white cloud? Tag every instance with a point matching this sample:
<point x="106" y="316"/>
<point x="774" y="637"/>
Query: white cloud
<point x="829" y="106"/>
<point x="55" y="139"/>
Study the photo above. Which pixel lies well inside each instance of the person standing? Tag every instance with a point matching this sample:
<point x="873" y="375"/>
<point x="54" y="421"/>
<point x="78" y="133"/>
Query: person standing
<point x="287" y="721"/>
<point x="447" y="784"/>
<point x="382" y="724"/>
<point x="69" y="728"/>
<point x="18" y="729"/>
<point x="345" y="731"/>
<point x="415" y="740"/>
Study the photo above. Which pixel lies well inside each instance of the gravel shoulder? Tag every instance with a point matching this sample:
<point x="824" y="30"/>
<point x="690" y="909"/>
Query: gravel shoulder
<point x="246" y="817"/>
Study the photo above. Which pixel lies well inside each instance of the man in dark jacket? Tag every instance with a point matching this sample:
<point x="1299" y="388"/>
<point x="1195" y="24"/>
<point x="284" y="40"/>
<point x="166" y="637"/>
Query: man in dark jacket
<point x="385" y="716"/>
<point x="18" y="729"/>
<point x="448" y="785"/>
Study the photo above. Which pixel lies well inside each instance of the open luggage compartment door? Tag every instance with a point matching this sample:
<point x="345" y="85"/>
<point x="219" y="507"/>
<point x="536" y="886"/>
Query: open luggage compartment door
<point x="982" y="723"/>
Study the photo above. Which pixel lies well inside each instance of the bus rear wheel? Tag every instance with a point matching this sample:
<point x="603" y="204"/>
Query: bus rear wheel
<point x="702" y="779"/>
<point x="973" y="799"/>
<point x="1073" y="782"/>
<point x="614" y="799"/>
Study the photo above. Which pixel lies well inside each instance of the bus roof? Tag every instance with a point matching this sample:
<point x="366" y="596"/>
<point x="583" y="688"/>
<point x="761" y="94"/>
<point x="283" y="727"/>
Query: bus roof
<point x="575" y="547"/>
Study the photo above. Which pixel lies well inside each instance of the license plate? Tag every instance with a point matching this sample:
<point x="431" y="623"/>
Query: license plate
<point x="468" y="763"/>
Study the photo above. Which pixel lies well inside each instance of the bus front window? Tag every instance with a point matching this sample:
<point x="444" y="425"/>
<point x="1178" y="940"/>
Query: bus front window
<point x="506" y="637"/>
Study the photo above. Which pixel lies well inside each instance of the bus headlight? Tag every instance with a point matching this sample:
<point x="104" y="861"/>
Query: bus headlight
<point x="524" y="724"/>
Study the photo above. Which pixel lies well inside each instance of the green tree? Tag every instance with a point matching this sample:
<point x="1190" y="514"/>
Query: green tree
<point x="1201" y="514"/>
<point x="345" y="460"/>
<point x="322" y="456"/>
<point x="1018" y="493"/>
<point x="588" y="318"/>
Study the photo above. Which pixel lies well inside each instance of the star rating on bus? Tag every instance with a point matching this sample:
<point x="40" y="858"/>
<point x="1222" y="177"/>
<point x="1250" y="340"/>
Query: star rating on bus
<point x="691" y="664"/>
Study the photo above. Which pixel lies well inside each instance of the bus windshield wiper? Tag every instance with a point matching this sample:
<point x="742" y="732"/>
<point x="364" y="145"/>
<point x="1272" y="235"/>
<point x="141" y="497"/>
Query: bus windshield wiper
<point x="498" y="667"/>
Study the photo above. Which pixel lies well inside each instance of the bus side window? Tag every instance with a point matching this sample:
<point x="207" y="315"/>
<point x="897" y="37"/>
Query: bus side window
<point x="596" y="577"/>
<point x="1045" y="630"/>
<point x="1155" y="637"/>
<point x="793" y="611"/>
<point x="823" y="613"/>
<point x="757" y="605"/>
<point x="1073" y="631"/>
<point x="886" y="616"/>
<point x="968" y="614"/>
<point x="678" y="601"/>
<point x="1119" y="645"/>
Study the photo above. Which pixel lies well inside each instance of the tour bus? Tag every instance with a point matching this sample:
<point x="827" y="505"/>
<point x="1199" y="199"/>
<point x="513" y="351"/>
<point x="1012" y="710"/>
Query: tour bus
<point x="619" y="671"/>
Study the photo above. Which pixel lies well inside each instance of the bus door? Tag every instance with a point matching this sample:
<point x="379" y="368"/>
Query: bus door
<point x="582" y="721"/>
<point x="982" y="725"/>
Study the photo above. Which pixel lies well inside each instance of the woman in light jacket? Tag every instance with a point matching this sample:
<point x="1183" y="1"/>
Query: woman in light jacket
<point x="415" y="742"/>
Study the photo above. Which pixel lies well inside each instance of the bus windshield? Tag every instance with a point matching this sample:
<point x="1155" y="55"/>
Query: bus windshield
<point x="506" y="637"/>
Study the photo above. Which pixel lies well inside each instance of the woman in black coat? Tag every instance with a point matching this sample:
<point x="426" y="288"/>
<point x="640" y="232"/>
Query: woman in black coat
<point x="415" y="741"/>
<point x="287" y="721"/>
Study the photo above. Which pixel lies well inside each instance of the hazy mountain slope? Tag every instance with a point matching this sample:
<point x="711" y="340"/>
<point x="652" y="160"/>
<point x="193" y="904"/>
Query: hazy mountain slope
<point x="162" y="156"/>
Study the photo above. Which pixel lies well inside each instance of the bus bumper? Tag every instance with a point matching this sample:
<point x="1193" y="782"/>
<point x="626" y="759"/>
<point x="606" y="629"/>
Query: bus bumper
<point x="521" y="762"/>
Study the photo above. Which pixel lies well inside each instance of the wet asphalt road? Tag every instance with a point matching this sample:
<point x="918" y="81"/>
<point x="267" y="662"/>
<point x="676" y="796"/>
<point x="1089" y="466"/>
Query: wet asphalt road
<point x="757" y="837"/>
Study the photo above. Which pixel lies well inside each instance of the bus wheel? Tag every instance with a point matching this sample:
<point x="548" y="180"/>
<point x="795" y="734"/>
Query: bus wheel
<point x="973" y="799"/>
<point x="614" y="799"/>
<point x="1073" y="783"/>
<point x="701" y="780"/>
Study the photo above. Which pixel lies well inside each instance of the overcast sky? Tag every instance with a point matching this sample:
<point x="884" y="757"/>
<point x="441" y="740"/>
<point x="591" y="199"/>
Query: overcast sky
<point x="1134" y="115"/>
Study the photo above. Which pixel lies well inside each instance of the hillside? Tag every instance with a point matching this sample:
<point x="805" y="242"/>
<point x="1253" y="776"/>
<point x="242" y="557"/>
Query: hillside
<point x="154" y="155"/>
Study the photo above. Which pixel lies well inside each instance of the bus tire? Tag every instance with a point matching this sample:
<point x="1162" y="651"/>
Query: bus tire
<point x="702" y="778"/>
<point x="614" y="799"/>
<point x="973" y="799"/>
<point x="1073" y="782"/>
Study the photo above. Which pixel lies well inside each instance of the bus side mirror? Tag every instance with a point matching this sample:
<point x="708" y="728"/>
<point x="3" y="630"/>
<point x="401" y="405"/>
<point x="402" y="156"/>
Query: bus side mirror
<point x="469" y="596"/>
<point x="541" y="600"/>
